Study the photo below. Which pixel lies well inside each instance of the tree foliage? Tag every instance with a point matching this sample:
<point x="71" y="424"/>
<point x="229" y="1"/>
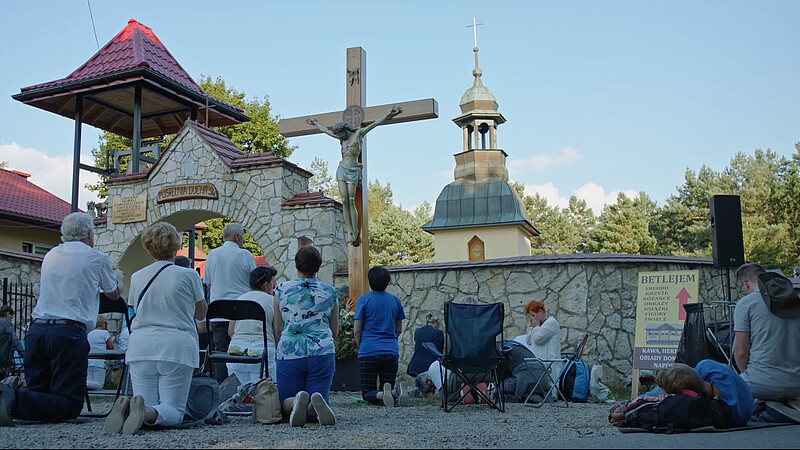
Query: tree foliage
<point x="212" y="238"/>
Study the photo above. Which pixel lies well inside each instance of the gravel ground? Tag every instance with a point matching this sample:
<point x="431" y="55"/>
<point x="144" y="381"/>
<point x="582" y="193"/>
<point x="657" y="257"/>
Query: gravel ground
<point x="422" y="424"/>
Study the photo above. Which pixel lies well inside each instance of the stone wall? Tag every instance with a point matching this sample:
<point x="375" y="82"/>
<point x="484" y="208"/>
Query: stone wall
<point x="593" y="294"/>
<point x="251" y="194"/>
<point x="21" y="268"/>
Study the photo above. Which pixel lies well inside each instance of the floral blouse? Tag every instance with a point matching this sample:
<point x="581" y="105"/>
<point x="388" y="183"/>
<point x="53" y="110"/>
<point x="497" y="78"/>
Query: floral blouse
<point x="306" y="305"/>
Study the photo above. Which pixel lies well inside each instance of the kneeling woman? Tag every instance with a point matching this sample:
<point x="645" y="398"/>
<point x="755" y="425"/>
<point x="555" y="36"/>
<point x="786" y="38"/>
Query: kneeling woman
<point x="163" y="348"/>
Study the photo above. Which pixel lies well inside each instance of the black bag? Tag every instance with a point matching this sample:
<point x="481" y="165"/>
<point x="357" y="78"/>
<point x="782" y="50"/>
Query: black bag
<point x="203" y="401"/>
<point x="678" y="413"/>
<point x="696" y="344"/>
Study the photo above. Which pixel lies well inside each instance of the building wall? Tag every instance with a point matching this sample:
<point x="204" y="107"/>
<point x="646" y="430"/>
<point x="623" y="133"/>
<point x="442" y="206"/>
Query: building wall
<point x="250" y="195"/>
<point x="593" y="294"/>
<point x="499" y="242"/>
<point x="20" y="268"/>
<point x="15" y="233"/>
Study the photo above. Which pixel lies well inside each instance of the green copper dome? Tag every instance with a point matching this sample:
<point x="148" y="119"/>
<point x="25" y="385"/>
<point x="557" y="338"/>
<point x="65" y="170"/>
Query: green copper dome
<point x="488" y="202"/>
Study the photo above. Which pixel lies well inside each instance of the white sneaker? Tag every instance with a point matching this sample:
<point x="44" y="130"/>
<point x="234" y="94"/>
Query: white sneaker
<point x="324" y="412"/>
<point x="299" y="409"/>
<point x="402" y="395"/>
<point x="388" y="399"/>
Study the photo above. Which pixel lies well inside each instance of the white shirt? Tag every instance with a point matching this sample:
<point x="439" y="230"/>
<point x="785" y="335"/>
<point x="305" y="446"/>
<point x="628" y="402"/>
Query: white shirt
<point x="73" y="274"/>
<point x="227" y="271"/>
<point x="544" y="341"/>
<point x="164" y="327"/>
<point x="435" y="375"/>
<point x="97" y="343"/>
<point x="250" y="330"/>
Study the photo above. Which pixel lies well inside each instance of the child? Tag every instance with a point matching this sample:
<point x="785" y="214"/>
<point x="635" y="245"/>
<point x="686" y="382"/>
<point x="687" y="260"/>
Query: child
<point x="99" y="340"/>
<point x="378" y="322"/>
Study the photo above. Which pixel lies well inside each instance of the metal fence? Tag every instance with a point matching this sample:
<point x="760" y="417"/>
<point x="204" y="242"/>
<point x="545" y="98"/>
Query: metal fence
<point x="19" y="296"/>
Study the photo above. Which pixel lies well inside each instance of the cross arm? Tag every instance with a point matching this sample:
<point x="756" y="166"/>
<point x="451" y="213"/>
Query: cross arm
<point x="411" y="111"/>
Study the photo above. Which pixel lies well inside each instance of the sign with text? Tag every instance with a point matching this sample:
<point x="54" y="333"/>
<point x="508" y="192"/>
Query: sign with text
<point x="186" y="191"/>
<point x="660" y="315"/>
<point x="129" y="209"/>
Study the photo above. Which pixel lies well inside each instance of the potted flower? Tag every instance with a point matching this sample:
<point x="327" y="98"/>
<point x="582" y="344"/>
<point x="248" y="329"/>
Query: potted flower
<point x="347" y="376"/>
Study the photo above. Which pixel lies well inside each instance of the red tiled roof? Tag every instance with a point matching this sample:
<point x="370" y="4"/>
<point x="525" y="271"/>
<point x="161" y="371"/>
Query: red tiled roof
<point x="27" y="201"/>
<point x="199" y="255"/>
<point x="308" y="198"/>
<point x="135" y="46"/>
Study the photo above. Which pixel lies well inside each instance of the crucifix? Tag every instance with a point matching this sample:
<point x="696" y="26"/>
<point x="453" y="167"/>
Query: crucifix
<point x="349" y="126"/>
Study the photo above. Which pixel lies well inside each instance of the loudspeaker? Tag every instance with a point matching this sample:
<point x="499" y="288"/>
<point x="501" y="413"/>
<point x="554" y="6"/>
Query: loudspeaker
<point x="727" y="244"/>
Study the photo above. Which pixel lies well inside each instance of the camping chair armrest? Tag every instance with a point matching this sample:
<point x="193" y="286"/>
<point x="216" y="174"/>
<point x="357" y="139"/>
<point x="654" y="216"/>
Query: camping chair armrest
<point x="432" y="348"/>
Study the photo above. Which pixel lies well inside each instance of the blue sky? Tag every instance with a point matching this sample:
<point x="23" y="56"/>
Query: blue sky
<point x="599" y="96"/>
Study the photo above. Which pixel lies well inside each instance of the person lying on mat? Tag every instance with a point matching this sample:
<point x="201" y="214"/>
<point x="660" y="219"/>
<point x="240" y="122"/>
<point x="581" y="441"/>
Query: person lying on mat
<point x="708" y="377"/>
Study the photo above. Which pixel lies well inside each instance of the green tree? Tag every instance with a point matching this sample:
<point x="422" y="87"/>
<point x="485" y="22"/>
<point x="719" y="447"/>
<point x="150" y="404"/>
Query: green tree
<point x="261" y="133"/>
<point x="583" y="220"/>
<point x="379" y="199"/>
<point x="212" y="238"/>
<point x="322" y="180"/>
<point x="396" y="238"/>
<point x="623" y="227"/>
<point x="3" y="164"/>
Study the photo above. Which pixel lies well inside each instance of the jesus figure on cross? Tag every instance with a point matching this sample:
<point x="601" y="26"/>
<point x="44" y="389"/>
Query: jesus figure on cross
<point x="348" y="174"/>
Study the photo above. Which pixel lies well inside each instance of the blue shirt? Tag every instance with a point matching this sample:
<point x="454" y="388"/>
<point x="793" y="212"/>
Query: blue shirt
<point x="735" y="391"/>
<point x="379" y="310"/>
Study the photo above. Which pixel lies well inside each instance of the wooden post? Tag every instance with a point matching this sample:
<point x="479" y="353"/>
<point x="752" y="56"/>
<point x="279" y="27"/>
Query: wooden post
<point x="358" y="257"/>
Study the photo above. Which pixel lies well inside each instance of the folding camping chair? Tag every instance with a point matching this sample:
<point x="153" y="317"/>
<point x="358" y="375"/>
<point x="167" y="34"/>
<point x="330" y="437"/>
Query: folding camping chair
<point x="110" y="306"/>
<point x="471" y="354"/>
<point x="554" y="393"/>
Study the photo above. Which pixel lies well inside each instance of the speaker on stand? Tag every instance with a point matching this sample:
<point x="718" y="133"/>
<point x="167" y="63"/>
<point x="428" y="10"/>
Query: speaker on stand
<point x="727" y="247"/>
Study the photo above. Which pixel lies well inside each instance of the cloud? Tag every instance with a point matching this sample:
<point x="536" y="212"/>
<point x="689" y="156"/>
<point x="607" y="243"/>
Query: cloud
<point x="540" y="162"/>
<point x="51" y="173"/>
<point x="594" y="195"/>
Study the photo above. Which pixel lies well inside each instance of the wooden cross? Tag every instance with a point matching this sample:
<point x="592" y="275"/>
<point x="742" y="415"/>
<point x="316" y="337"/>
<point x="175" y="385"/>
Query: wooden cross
<point x="358" y="257"/>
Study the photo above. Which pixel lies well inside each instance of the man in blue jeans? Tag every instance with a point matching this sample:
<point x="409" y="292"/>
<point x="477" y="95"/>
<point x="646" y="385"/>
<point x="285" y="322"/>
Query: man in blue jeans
<point x="56" y="349"/>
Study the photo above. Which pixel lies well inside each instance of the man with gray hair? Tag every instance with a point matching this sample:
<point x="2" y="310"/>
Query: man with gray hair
<point x="56" y="349"/>
<point x="227" y="275"/>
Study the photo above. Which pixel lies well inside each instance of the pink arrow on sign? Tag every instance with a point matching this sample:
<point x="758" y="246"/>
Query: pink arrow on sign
<point x="683" y="298"/>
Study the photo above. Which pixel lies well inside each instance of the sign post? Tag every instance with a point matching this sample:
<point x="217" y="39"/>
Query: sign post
<point x="659" y="318"/>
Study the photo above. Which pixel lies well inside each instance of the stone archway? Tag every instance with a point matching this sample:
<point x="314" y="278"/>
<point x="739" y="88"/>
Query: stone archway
<point x="203" y="175"/>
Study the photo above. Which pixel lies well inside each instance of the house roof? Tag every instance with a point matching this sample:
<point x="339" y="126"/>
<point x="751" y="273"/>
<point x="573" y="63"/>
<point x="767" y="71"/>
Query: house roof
<point x="107" y="81"/>
<point x="26" y="202"/>
<point x="308" y="198"/>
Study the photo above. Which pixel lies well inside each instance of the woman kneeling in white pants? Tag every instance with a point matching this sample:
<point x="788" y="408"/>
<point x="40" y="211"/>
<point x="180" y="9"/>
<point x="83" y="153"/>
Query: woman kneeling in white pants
<point x="163" y="348"/>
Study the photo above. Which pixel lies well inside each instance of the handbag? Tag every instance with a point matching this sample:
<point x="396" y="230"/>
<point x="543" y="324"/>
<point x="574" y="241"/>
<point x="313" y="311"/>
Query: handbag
<point x="266" y="402"/>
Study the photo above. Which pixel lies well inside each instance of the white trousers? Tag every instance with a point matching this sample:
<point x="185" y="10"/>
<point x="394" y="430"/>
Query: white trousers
<point x="96" y="377"/>
<point x="164" y="387"/>
<point x="250" y="373"/>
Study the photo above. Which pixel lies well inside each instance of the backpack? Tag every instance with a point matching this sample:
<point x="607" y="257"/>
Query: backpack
<point x="574" y="381"/>
<point x="677" y="413"/>
<point x="266" y="402"/>
<point x="203" y="400"/>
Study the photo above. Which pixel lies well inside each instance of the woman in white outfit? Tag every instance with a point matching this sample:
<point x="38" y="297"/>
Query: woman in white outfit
<point x="544" y="336"/>
<point x="247" y="334"/>
<point x="99" y="340"/>
<point x="163" y="347"/>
